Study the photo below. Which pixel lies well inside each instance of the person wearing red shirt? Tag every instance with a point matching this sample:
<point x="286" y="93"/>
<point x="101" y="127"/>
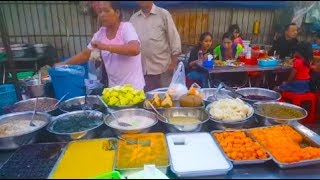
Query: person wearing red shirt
<point x="299" y="79"/>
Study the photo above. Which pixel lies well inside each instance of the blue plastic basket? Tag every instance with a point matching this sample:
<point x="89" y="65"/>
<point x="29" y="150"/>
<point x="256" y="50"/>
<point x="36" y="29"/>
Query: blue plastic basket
<point x="8" y="96"/>
<point x="269" y="63"/>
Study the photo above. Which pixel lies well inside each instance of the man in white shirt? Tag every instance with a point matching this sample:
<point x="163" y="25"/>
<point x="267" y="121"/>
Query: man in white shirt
<point x="160" y="43"/>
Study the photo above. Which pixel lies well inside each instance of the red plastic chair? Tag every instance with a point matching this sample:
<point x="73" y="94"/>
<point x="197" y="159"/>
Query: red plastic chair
<point x="318" y="107"/>
<point x="297" y="99"/>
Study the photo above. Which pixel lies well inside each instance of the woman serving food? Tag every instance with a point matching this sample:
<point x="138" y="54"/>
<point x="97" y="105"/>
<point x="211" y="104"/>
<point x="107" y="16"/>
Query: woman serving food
<point x="119" y="45"/>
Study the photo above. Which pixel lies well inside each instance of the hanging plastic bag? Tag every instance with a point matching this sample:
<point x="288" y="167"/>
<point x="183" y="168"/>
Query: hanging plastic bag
<point x="94" y="76"/>
<point x="178" y="86"/>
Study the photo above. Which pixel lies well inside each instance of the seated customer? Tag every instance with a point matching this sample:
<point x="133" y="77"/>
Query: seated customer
<point x="196" y="73"/>
<point x="228" y="49"/>
<point x="286" y="44"/>
<point x="235" y="30"/>
<point x="299" y="79"/>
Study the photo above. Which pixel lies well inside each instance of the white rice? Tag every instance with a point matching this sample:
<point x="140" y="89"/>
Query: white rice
<point x="17" y="127"/>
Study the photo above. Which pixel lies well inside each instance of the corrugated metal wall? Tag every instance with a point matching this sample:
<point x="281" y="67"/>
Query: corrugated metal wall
<point x="61" y="23"/>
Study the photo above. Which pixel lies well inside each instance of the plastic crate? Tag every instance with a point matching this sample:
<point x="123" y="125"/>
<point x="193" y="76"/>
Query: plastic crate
<point x="8" y="96"/>
<point x="110" y="175"/>
<point x="23" y="75"/>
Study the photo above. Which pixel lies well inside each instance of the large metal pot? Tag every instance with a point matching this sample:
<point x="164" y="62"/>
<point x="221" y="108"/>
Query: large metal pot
<point x="35" y="89"/>
<point x="198" y="113"/>
<point x="14" y="142"/>
<point x="266" y="121"/>
<point x="275" y="96"/>
<point x="87" y="134"/>
<point x="80" y="101"/>
<point x="131" y="113"/>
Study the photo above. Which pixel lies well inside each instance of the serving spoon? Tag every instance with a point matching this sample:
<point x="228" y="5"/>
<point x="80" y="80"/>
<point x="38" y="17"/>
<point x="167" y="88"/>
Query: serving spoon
<point x="113" y="115"/>
<point x="157" y="111"/>
<point x="34" y="112"/>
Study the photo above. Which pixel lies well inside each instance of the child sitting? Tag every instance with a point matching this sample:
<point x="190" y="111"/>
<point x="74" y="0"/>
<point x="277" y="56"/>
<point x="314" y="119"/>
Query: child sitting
<point x="299" y="79"/>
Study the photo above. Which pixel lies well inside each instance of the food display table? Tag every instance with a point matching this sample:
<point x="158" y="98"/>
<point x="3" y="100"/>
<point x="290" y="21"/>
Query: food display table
<point x="245" y="68"/>
<point x="266" y="170"/>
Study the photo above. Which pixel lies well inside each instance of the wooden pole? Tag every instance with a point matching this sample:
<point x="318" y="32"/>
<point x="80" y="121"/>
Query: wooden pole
<point x="6" y="44"/>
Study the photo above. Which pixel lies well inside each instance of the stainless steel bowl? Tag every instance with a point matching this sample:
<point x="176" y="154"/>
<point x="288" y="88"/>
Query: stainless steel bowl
<point x="87" y="134"/>
<point x="259" y="92"/>
<point x="14" y="142"/>
<point x="198" y="113"/>
<point x="29" y="104"/>
<point x="265" y="120"/>
<point x="130" y="113"/>
<point x="222" y="125"/>
<point x="78" y="101"/>
<point x="160" y="91"/>
<point x="34" y="89"/>
<point x="207" y="92"/>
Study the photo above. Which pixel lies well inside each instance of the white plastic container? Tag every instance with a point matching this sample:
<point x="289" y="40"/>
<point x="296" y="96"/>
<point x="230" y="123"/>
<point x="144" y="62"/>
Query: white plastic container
<point x="196" y="154"/>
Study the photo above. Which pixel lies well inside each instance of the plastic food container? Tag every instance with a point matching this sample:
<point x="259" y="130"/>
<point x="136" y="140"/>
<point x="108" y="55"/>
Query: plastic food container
<point x="85" y="159"/>
<point x="142" y="149"/>
<point x="268" y="63"/>
<point x="196" y="154"/>
<point x="110" y="175"/>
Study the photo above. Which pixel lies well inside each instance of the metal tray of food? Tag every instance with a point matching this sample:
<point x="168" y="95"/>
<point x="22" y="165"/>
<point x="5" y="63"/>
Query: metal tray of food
<point x="113" y="146"/>
<point x="309" y="137"/>
<point x="33" y="161"/>
<point x="128" y="171"/>
<point x="242" y="162"/>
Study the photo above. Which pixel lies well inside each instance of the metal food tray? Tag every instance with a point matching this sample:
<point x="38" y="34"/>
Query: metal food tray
<point x="33" y="161"/>
<point x="311" y="137"/>
<point x="128" y="171"/>
<point x="242" y="162"/>
<point x="66" y="148"/>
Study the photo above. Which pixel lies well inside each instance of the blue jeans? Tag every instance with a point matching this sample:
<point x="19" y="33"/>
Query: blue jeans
<point x="199" y="76"/>
<point x="298" y="87"/>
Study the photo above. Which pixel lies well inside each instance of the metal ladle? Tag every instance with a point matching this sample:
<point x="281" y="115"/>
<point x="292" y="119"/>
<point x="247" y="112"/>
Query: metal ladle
<point x="157" y="111"/>
<point x="113" y="115"/>
<point x="34" y="112"/>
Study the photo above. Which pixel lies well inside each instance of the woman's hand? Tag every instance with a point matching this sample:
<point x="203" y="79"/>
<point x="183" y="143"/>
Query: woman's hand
<point x="59" y="64"/>
<point x="98" y="45"/>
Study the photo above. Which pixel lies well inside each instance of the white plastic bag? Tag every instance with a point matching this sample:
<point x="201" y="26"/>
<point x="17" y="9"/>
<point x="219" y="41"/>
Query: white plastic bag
<point x="178" y="86"/>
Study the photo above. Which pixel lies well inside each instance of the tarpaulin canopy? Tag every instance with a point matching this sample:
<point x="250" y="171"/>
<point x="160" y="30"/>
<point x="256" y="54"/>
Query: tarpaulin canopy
<point x="183" y="4"/>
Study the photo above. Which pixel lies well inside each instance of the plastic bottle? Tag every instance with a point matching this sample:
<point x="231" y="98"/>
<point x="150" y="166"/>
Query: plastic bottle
<point x="248" y="54"/>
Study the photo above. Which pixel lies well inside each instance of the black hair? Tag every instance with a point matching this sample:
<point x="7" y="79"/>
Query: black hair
<point x="286" y="27"/>
<point x="116" y="6"/>
<point x="305" y="50"/>
<point x="228" y="35"/>
<point x="203" y="36"/>
<point x="234" y="27"/>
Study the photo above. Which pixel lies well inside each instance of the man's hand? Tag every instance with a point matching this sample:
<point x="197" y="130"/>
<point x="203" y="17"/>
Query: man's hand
<point x="173" y="65"/>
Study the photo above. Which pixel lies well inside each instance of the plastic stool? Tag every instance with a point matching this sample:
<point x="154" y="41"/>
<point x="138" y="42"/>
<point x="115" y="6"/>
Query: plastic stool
<point x="318" y="107"/>
<point x="297" y="99"/>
